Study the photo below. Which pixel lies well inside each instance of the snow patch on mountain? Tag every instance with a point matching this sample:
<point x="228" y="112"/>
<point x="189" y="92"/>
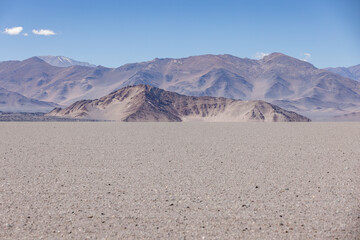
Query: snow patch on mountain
<point x="61" y="61"/>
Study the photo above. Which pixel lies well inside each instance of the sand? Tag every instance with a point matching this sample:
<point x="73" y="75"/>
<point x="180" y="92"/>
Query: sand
<point x="180" y="180"/>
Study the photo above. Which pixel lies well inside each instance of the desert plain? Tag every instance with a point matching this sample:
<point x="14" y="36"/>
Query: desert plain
<point x="108" y="180"/>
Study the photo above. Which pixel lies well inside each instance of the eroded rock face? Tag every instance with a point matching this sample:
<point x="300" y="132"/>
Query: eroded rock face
<point x="144" y="103"/>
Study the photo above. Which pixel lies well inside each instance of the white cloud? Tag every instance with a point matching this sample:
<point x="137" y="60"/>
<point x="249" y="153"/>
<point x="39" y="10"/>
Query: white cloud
<point x="13" y="31"/>
<point x="25" y="34"/>
<point x="44" y="32"/>
<point x="306" y="57"/>
<point x="260" y="55"/>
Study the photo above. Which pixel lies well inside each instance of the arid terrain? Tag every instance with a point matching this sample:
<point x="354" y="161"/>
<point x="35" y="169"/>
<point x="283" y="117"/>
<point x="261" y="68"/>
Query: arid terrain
<point x="110" y="180"/>
<point x="144" y="103"/>
<point x="41" y="83"/>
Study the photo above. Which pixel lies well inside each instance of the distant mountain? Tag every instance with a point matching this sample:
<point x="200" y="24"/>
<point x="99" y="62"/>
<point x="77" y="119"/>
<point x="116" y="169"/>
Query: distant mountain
<point x="350" y="72"/>
<point x="15" y="102"/>
<point x="288" y="82"/>
<point x="143" y="103"/>
<point x="349" y="117"/>
<point x="34" y="78"/>
<point x="61" y="61"/>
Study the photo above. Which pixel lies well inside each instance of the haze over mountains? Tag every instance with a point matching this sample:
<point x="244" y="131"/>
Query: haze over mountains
<point x="352" y="72"/>
<point x="285" y="81"/>
<point x="143" y="103"/>
<point x="12" y="102"/>
<point x="348" y="117"/>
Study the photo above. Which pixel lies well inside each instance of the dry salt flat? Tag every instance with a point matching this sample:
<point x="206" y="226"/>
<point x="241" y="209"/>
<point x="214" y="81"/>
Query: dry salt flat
<point x="95" y="180"/>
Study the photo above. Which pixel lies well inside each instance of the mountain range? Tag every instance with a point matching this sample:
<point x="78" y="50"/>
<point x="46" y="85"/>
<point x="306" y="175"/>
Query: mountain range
<point x="288" y="82"/>
<point x="144" y="103"/>
<point x="349" y="72"/>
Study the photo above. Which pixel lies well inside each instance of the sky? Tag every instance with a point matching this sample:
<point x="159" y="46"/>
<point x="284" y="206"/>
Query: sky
<point x="325" y="33"/>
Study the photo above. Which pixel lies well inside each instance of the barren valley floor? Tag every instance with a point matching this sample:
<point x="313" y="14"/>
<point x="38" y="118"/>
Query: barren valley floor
<point x="112" y="180"/>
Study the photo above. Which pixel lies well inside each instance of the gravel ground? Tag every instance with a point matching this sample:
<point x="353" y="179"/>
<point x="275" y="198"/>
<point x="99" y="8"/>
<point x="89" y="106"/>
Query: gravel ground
<point x="179" y="180"/>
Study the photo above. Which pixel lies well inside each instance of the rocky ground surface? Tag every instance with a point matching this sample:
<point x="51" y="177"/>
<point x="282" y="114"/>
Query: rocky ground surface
<point x="179" y="180"/>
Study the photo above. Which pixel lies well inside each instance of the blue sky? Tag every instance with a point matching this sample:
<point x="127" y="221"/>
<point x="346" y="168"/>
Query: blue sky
<point x="112" y="33"/>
